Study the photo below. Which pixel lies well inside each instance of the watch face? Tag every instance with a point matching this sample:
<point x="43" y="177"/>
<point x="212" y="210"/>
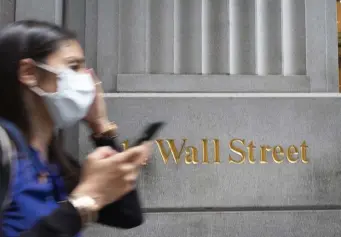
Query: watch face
<point x="87" y="207"/>
<point x="84" y="202"/>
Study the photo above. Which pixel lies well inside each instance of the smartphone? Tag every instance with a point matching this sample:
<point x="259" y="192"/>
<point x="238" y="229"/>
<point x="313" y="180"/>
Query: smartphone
<point x="149" y="133"/>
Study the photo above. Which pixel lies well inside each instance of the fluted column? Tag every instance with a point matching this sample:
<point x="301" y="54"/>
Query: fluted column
<point x="242" y="37"/>
<point x="268" y="37"/>
<point x="293" y="41"/>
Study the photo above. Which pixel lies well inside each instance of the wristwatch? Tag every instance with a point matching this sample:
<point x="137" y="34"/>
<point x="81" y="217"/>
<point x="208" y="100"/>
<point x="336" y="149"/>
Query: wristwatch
<point x="86" y="206"/>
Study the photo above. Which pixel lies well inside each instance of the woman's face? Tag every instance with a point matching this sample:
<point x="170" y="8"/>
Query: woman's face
<point x="69" y="55"/>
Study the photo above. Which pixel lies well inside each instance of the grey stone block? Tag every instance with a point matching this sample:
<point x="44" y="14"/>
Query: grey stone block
<point x="211" y="83"/>
<point x="51" y="11"/>
<point x="265" y="121"/>
<point x="321" y="53"/>
<point x="243" y="224"/>
<point x="7" y="12"/>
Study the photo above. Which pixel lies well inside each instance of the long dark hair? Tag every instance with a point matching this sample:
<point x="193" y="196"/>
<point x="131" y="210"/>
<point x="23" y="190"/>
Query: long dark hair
<point x="35" y="40"/>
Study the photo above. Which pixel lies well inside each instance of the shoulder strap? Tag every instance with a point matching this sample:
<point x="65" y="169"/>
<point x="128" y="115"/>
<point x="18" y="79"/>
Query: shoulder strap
<point x="6" y="155"/>
<point x="15" y="135"/>
<point x="9" y="135"/>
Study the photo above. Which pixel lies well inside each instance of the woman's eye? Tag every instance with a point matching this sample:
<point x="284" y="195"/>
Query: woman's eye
<point x="74" y="67"/>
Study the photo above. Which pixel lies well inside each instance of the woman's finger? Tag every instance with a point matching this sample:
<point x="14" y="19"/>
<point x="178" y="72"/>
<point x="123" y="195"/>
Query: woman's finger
<point x="131" y="177"/>
<point x="127" y="168"/>
<point x="97" y="82"/>
<point x="131" y="155"/>
<point x="102" y="152"/>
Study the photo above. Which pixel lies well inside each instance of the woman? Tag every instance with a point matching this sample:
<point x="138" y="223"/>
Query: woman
<point x="45" y="87"/>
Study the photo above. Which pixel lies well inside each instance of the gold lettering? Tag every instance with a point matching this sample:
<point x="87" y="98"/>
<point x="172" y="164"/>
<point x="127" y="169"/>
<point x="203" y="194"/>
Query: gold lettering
<point x="204" y="151"/>
<point x="277" y="151"/>
<point x="237" y="151"/>
<point x="250" y="148"/>
<point x="216" y="151"/>
<point x="263" y="153"/>
<point x="191" y="155"/>
<point x="173" y="150"/>
<point x="237" y="146"/>
<point x="304" y="152"/>
<point x="292" y="150"/>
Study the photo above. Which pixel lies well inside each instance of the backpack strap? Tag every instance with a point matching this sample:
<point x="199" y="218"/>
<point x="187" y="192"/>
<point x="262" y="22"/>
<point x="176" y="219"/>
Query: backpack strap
<point x="12" y="146"/>
<point x="16" y="136"/>
<point x="6" y="155"/>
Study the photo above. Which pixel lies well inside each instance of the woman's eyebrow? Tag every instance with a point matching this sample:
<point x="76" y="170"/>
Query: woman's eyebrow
<point x="75" y="60"/>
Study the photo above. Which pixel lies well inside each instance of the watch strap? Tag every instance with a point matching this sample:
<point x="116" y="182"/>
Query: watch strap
<point x="86" y="206"/>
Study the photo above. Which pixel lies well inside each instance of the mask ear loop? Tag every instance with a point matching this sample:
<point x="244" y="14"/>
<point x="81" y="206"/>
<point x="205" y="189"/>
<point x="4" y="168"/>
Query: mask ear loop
<point x="34" y="87"/>
<point x="38" y="90"/>
<point x="47" y="68"/>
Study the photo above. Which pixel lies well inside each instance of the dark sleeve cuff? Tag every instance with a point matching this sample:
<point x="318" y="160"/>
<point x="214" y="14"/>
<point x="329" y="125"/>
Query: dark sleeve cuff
<point x="125" y="213"/>
<point x="64" y="221"/>
<point x="106" y="141"/>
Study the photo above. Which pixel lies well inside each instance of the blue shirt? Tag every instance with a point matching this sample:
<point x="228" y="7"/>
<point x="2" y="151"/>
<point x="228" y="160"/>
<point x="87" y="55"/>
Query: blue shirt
<point x="36" y="189"/>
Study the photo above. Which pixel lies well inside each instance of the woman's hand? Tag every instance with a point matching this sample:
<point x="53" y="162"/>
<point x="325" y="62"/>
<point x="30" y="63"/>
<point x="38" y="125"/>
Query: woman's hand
<point x="107" y="175"/>
<point x="97" y="117"/>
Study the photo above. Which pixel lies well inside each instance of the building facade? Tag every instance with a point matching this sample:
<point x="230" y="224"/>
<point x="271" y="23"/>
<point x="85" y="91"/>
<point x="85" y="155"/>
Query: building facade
<point x="210" y="68"/>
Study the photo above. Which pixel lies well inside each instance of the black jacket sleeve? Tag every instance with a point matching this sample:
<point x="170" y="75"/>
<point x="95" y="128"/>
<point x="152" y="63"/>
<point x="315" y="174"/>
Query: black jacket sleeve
<point x="64" y="221"/>
<point x="125" y="213"/>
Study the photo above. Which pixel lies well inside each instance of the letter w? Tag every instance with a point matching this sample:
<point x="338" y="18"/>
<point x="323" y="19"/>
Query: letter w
<point x="173" y="150"/>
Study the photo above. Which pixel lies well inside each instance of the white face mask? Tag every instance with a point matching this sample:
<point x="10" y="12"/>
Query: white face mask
<point x="73" y="98"/>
